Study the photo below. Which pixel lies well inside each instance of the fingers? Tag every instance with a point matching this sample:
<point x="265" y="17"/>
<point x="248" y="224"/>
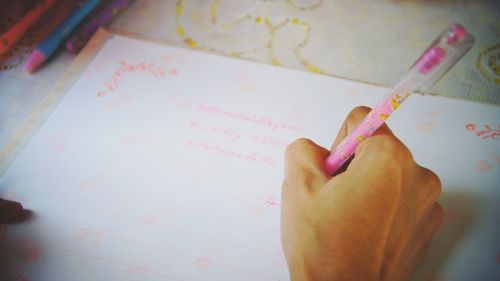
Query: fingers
<point x="9" y="210"/>
<point x="428" y="227"/>
<point x="383" y="153"/>
<point x="426" y="190"/>
<point x="419" y="246"/>
<point x="431" y="223"/>
<point x="304" y="163"/>
<point x="416" y="260"/>
<point x="351" y="123"/>
<point x="430" y="181"/>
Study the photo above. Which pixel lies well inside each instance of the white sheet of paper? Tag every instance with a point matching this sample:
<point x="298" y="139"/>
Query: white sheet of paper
<point x="166" y="164"/>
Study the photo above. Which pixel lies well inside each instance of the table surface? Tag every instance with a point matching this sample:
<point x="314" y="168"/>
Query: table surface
<point x="372" y="42"/>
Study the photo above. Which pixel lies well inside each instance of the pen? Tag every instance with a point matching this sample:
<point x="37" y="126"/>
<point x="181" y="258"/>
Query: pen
<point x="443" y="53"/>
<point x="111" y="11"/>
<point x="49" y="46"/>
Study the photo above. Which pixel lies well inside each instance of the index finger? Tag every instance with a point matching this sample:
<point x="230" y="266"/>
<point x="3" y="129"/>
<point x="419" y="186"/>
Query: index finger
<point x="352" y="121"/>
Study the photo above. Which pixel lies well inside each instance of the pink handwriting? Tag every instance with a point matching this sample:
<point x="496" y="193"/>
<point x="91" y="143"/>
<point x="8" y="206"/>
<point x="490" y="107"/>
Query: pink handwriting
<point x="258" y="138"/>
<point x="206" y="261"/>
<point x="428" y="125"/>
<point x="486" y="166"/>
<point x="215" y="148"/>
<point x="203" y="262"/>
<point x="236" y="136"/>
<point x="487" y="133"/>
<point x="265" y="121"/>
<point x="93" y="236"/>
<point x="125" y="68"/>
<point x="271" y="202"/>
<point x="216" y="130"/>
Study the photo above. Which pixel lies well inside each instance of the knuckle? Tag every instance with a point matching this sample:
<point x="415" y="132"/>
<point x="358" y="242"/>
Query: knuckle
<point x="297" y="145"/>
<point x="391" y="147"/>
<point x="432" y="182"/>
<point x="358" y="112"/>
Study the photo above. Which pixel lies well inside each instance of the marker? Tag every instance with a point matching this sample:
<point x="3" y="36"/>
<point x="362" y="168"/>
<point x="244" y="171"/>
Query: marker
<point x="450" y="46"/>
<point x="16" y="32"/>
<point x="50" y="45"/>
<point x="80" y="38"/>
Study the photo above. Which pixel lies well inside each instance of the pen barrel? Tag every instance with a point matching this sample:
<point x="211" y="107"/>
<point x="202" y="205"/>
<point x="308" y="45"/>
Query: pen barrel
<point x="367" y="127"/>
<point x="442" y="54"/>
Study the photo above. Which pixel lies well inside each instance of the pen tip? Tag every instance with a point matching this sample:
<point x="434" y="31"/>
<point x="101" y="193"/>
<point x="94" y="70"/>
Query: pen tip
<point x="34" y="61"/>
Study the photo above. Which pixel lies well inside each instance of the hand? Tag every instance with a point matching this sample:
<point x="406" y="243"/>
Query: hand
<point x="10" y="211"/>
<point x="373" y="221"/>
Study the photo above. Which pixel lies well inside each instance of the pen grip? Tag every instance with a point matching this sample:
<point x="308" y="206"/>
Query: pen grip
<point x="367" y="127"/>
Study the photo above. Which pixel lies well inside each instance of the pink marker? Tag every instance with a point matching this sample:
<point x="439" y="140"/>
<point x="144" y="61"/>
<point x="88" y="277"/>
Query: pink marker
<point x="444" y="52"/>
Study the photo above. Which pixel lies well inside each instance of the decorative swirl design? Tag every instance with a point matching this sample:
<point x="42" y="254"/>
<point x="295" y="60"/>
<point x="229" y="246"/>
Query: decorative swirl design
<point x="272" y="28"/>
<point x="488" y="63"/>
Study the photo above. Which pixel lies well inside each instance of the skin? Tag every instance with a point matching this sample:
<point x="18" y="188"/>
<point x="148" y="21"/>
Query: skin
<point x="372" y="221"/>
<point x="10" y="211"/>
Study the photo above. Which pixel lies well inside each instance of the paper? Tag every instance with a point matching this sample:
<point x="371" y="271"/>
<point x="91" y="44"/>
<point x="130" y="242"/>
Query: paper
<point x="166" y="164"/>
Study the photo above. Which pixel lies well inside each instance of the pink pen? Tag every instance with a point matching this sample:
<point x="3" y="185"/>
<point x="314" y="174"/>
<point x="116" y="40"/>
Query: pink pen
<point x="444" y="52"/>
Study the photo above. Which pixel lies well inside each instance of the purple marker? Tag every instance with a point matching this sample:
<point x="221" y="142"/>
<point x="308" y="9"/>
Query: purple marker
<point x="443" y="53"/>
<point x="80" y="38"/>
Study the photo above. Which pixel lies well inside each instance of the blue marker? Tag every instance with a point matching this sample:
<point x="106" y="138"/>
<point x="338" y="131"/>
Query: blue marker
<point x="50" y="45"/>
